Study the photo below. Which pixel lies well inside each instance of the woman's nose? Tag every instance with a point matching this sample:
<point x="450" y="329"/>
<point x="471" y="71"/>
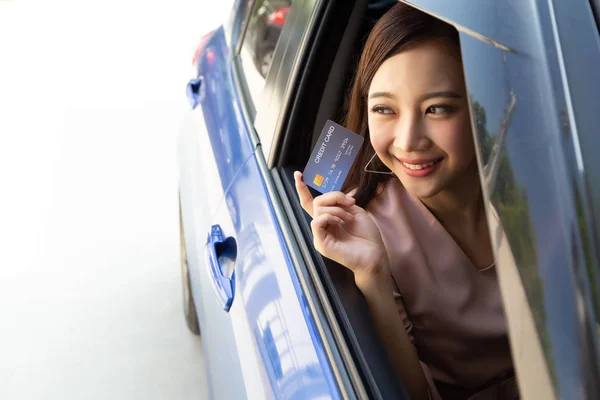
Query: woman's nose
<point x="410" y="135"/>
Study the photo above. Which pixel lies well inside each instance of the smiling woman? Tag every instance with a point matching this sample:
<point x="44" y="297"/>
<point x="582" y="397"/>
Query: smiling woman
<point x="421" y="219"/>
<point x="419" y="112"/>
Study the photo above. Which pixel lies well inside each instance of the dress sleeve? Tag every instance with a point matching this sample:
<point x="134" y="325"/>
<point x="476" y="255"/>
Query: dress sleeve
<point x="408" y="326"/>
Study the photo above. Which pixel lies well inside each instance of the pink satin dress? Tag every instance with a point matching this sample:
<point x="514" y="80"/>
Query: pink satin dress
<point x="451" y="310"/>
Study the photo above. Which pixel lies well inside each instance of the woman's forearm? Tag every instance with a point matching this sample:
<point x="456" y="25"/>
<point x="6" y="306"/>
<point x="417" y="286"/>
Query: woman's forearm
<point x="378" y="294"/>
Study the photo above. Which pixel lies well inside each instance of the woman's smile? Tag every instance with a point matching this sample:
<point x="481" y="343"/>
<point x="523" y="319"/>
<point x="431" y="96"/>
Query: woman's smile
<point x="419" y="121"/>
<point x="419" y="168"/>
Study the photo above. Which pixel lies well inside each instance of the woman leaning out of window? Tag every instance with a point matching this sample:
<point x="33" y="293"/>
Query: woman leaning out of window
<point x="410" y="221"/>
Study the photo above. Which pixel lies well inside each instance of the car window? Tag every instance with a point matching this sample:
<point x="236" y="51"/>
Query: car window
<point x="523" y="109"/>
<point x="238" y="17"/>
<point x="263" y="30"/>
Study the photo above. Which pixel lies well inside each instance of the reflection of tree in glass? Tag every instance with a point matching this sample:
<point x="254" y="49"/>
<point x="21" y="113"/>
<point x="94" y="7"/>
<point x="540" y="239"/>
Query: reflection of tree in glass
<point x="485" y="140"/>
<point x="587" y="249"/>
<point x="510" y="201"/>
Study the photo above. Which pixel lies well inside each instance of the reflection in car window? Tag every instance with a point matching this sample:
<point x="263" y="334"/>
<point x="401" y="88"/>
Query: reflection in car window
<point x="531" y="176"/>
<point x="264" y="27"/>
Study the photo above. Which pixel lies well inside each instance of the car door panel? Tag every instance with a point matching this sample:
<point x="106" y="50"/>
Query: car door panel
<point x="212" y="148"/>
<point x="224" y="120"/>
<point x="269" y="307"/>
<point x="201" y="198"/>
<point x="255" y="376"/>
<point x="219" y="332"/>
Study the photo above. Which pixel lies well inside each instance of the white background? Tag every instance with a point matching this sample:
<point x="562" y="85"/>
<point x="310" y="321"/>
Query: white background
<point x="92" y="93"/>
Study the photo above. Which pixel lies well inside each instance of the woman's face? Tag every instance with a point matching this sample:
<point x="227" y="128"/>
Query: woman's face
<point x="419" y="119"/>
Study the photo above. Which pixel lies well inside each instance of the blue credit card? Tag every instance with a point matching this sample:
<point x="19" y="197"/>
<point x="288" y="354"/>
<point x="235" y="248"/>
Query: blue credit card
<point x="331" y="158"/>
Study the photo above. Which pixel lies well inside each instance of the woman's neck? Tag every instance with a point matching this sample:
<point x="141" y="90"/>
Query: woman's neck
<point x="461" y="203"/>
<point x="461" y="212"/>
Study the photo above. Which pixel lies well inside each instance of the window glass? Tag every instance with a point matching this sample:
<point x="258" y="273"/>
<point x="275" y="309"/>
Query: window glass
<point x="523" y="119"/>
<point x="237" y="18"/>
<point x="519" y="116"/>
<point x="265" y="24"/>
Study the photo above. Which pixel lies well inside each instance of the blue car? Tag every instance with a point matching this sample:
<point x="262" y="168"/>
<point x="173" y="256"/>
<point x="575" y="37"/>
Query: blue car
<point x="277" y="320"/>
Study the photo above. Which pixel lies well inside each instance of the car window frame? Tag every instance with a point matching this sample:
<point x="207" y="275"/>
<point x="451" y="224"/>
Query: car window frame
<point x="235" y="24"/>
<point x="244" y="29"/>
<point x="284" y="74"/>
<point x="252" y="106"/>
<point x="280" y="75"/>
<point x="239" y="77"/>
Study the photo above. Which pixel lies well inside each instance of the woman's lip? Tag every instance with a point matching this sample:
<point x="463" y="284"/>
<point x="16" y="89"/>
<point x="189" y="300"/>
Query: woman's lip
<point x="419" y="161"/>
<point x="423" y="171"/>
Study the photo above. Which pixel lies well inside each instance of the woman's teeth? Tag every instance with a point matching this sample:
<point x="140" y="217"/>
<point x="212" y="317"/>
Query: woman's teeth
<point x="416" y="167"/>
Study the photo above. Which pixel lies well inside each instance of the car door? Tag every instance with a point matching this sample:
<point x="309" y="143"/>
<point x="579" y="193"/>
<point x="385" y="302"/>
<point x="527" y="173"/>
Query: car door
<point x="535" y="123"/>
<point x="280" y="338"/>
<point x="212" y="148"/>
<point x="276" y="335"/>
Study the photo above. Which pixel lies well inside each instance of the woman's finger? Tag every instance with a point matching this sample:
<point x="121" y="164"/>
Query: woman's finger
<point x="333" y="199"/>
<point x="306" y="199"/>
<point x="354" y="209"/>
<point x="319" y="227"/>
<point x="335" y="211"/>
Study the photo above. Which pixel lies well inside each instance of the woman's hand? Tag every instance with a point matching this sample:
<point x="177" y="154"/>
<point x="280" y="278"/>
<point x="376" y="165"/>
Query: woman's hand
<point x="343" y="231"/>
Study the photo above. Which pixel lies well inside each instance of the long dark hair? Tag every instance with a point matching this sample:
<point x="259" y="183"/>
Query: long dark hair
<point x="400" y="28"/>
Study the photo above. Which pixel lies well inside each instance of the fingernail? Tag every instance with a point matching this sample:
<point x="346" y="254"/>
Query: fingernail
<point x="349" y="197"/>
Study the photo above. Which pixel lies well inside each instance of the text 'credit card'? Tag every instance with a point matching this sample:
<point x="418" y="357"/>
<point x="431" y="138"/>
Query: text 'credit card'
<point x="332" y="158"/>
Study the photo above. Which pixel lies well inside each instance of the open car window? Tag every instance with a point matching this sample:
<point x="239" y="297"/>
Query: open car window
<point x="518" y="122"/>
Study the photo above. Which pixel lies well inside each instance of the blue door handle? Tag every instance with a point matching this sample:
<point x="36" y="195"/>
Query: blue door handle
<point x="195" y="91"/>
<point x="221" y="251"/>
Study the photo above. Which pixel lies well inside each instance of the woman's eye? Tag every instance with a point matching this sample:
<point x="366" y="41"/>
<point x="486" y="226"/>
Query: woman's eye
<point x="439" y="110"/>
<point x="382" y="110"/>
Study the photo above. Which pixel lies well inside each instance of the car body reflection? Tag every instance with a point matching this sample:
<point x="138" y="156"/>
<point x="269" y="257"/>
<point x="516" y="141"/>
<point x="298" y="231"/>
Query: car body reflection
<point x="289" y="374"/>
